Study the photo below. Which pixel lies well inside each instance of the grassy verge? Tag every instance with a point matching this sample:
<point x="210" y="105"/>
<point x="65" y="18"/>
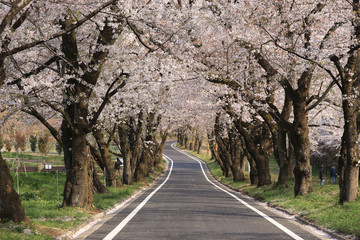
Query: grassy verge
<point x="320" y="207"/>
<point x="39" y="194"/>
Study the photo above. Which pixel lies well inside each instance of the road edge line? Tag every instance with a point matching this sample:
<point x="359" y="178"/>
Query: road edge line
<point x="280" y="226"/>
<point x="126" y="220"/>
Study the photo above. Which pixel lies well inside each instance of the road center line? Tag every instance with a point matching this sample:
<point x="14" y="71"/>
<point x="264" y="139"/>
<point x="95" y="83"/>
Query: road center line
<point x="286" y="230"/>
<point x="123" y="223"/>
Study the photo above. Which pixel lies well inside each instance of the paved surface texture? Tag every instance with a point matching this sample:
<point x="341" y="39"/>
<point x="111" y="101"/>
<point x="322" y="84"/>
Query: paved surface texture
<point x="188" y="206"/>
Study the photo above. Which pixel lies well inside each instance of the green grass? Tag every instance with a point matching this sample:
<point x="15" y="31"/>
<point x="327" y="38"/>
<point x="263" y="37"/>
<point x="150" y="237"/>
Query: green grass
<point x="320" y="207"/>
<point x="38" y="192"/>
<point x="10" y="231"/>
<point x="50" y="158"/>
<point x="104" y="201"/>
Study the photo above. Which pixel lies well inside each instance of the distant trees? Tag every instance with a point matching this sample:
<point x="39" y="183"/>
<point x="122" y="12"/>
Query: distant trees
<point x="8" y="145"/>
<point x="33" y="142"/>
<point x="44" y="144"/>
<point x="20" y="141"/>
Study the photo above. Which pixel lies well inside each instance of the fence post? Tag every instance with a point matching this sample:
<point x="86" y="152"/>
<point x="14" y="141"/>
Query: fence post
<point x="57" y="187"/>
<point x="17" y="179"/>
<point x="105" y="176"/>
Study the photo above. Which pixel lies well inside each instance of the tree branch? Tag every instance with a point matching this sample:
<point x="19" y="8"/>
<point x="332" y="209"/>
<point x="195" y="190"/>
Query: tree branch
<point x="108" y="95"/>
<point x="59" y="34"/>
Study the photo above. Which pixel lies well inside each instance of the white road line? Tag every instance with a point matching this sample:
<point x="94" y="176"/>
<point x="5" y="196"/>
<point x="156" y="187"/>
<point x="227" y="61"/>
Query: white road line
<point x="123" y="223"/>
<point x="286" y="230"/>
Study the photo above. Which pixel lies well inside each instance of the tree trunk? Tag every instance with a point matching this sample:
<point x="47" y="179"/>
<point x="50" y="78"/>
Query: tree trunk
<point x="199" y="145"/>
<point x="66" y="138"/>
<point x="196" y="143"/>
<point x="181" y="138"/>
<point x="256" y="140"/>
<point x="97" y="186"/>
<point x="349" y="155"/>
<point x="237" y="168"/>
<point x="160" y="149"/>
<point x="10" y="202"/>
<point x="258" y="146"/>
<point x="299" y="135"/>
<point x="253" y="169"/>
<point x="131" y="146"/>
<point x="215" y="154"/>
<point x="142" y="169"/>
<point x="349" y="71"/>
<point x="126" y="153"/>
<point x="284" y="161"/>
<point x="111" y="179"/>
<point x="78" y="187"/>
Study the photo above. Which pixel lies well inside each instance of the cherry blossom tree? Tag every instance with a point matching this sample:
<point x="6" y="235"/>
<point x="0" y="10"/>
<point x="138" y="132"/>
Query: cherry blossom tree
<point x="26" y="25"/>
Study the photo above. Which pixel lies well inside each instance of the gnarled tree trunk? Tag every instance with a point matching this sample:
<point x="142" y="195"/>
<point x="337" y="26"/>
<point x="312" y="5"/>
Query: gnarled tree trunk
<point x="78" y="186"/>
<point x="111" y="177"/>
<point x="299" y="135"/>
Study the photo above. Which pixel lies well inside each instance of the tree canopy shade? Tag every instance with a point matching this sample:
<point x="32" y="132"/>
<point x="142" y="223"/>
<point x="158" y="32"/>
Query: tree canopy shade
<point x="256" y="78"/>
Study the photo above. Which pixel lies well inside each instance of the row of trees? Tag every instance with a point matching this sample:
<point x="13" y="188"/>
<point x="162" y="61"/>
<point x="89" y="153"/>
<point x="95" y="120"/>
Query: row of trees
<point x="18" y="141"/>
<point x="284" y="67"/>
<point x="72" y="43"/>
<point x="263" y="72"/>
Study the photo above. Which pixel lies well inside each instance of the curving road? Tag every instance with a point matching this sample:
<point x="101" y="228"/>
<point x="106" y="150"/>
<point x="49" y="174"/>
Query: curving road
<point x="186" y="204"/>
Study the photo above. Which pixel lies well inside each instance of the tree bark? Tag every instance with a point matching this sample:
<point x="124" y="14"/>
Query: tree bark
<point x="299" y="135"/>
<point x="186" y="140"/>
<point x="78" y="187"/>
<point x="284" y="160"/>
<point x="142" y="169"/>
<point x="10" y="202"/>
<point x="111" y="179"/>
<point x="131" y="146"/>
<point x="253" y="170"/>
<point x="199" y="145"/>
<point x="128" y="177"/>
<point x="97" y="185"/>
<point x="258" y="145"/>
<point x="160" y="149"/>
<point x="350" y="87"/>
<point x="348" y="166"/>
<point x="215" y="154"/>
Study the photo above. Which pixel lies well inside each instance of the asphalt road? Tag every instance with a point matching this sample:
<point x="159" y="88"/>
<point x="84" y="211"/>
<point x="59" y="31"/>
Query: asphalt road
<point x="184" y="204"/>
